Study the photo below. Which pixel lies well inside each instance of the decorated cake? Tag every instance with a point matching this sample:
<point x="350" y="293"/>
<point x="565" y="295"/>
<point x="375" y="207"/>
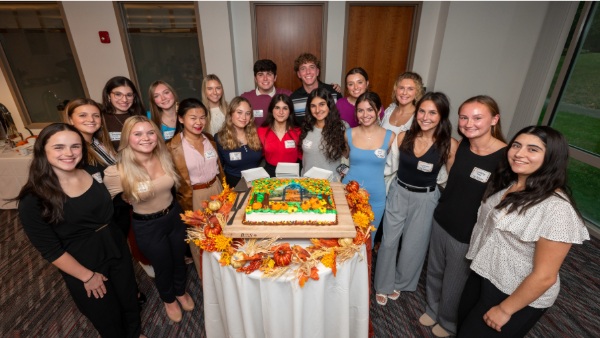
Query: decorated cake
<point x="290" y="201"/>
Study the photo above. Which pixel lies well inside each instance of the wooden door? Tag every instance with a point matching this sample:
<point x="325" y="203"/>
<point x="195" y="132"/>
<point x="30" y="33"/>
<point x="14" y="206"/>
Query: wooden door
<point x="284" y="31"/>
<point x="379" y="39"/>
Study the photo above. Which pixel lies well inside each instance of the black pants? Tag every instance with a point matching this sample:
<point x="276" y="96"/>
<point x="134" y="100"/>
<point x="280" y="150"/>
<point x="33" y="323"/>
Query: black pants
<point x="117" y="314"/>
<point x="162" y="241"/>
<point x="480" y="295"/>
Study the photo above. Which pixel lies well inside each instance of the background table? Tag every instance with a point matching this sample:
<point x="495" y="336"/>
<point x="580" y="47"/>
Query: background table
<point x="240" y="305"/>
<point x="14" y="170"/>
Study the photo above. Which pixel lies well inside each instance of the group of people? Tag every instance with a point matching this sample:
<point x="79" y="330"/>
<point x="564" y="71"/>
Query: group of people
<point x="502" y="224"/>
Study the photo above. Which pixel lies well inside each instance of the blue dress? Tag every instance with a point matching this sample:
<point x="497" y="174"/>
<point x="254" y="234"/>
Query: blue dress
<point x="366" y="168"/>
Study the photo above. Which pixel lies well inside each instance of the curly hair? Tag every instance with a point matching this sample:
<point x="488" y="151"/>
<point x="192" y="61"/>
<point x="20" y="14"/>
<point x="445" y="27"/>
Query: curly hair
<point x="226" y="135"/>
<point x="443" y="131"/>
<point x="420" y="88"/>
<point x="333" y="143"/>
<point x="306" y="58"/>
<point x="549" y="180"/>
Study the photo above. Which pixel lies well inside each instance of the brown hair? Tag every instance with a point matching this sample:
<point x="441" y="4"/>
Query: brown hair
<point x="494" y="109"/>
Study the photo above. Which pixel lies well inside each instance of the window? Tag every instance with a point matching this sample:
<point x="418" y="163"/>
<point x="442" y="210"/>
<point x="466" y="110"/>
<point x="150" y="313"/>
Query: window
<point x="574" y="110"/>
<point x="37" y="57"/>
<point x="164" y="45"/>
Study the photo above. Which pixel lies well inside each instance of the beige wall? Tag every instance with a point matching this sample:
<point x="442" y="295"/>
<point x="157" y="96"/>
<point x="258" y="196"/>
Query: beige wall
<point x="462" y="48"/>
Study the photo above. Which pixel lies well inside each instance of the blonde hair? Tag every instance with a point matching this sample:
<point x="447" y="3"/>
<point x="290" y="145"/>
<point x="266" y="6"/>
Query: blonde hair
<point x="155" y="111"/>
<point x="131" y="172"/>
<point x="227" y="137"/>
<point x="222" y="101"/>
<point x="418" y="86"/>
<point x="101" y="134"/>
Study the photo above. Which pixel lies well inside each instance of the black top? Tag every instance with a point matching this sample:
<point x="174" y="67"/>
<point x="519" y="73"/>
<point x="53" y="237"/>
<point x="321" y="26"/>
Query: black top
<point x="80" y="233"/>
<point x="456" y="211"/>
<point x="422" y="171"/>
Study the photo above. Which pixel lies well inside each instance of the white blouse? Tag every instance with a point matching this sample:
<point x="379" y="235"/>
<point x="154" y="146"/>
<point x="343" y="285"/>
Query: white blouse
<point x="385" y="121"/>
<point x="503" y="244"/>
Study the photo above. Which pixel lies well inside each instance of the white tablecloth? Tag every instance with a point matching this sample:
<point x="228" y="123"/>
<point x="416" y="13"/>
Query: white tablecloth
<point x="14" y="170"/>
<point x="246" y="306"/>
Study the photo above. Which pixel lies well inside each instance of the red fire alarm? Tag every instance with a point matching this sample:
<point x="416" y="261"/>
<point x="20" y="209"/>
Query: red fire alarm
<point x="104" y="37"/>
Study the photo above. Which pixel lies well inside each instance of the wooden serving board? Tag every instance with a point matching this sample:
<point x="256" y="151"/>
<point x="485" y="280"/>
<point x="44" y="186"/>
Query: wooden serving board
<point x="344" y="229"/>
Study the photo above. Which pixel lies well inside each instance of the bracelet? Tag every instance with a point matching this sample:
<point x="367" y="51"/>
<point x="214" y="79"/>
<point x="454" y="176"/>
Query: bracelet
<point x="93" y="274"/>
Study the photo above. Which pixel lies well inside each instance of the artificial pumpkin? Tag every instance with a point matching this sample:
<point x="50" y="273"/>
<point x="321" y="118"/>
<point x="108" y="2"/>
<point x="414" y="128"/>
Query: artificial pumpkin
<point x="352" y="186"/>
<point x="282" y="254"/>
<point x="238" y="260"/>
<point x="214" y="205"/>
<point x="212" y="227"/>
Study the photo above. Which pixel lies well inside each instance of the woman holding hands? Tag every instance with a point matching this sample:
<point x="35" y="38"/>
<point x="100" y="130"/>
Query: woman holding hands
<point x="526" y="226"/>
<point x="424" y="149"/>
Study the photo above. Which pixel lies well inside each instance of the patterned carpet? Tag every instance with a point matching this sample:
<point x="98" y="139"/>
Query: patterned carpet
<point x="34" y="301"/>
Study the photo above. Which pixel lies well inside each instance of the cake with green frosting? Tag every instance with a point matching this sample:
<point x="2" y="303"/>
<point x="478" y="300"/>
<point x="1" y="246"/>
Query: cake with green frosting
<point x="287" y="201"/>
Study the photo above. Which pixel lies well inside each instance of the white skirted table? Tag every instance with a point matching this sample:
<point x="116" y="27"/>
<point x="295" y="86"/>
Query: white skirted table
<point x="244" y="306"/>
<point x="14" y="170"/>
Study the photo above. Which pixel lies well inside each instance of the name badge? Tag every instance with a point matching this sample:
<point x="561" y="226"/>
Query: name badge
<point x="306" y="144"/>
<point x="169" y="134"/>
<point x="235" y="156"/>
<point x="97" y="177"/>
<point x="424" y="166"/>
<point x="258" y="113"/>
<point x="210" y="154"/>
<point x="480" y="175"/>
<point x="289" y="144"/>
<point x="380" y="153"/>
<point x="115" y="135"/>
<point x="143" y="186"/>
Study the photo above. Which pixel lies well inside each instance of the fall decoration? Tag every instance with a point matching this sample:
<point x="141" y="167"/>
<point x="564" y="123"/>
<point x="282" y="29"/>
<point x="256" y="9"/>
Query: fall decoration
<point x="276" y="259"/>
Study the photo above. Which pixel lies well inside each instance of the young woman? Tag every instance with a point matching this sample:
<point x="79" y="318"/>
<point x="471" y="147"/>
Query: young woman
<point x="146" y="175"/>
<point x="238" y="144"/>
<point x="357" y="82"/>
<point x="525" y="228"/>
<point x="66" y="213"/>
<point x="163" y="108"/>
<point x="214" y="99"/>
<point x="408" y="89"/>
<point x="279" y="134"/>
<point x="424" y="149"/>
<point x="369" y="144"/>
<point x="195" y="156"/>
<point x="121" y="100"/>
<point x="479" y="152"/>
<point x="323" y="134"/>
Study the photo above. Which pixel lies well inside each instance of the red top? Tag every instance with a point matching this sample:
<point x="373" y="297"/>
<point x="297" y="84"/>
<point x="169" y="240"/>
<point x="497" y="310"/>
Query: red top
<point x="276" y="150"/>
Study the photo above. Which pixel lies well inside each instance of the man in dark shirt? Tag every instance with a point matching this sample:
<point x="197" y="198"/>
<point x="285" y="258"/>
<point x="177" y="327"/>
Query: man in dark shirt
<point x="308" y="68"/>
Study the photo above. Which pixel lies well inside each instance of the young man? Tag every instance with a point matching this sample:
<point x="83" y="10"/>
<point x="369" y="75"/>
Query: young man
<point x="265" y="75"/>
<point x="308" y="68"/>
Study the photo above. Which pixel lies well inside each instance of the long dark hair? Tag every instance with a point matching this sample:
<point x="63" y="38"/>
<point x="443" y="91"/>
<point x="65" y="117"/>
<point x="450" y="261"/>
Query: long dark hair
<point x="42" y="181"/>
<point x="443" y="131"/>
<point x="291" y="120"/>
<point x="137" y="108"/>
<point x="333" y="141"/>
<point x="547" y="181"/>
<point x="186" y="105"/>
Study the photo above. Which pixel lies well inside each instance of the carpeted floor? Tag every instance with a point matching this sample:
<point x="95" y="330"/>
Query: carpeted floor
<point x="34" y="301"/>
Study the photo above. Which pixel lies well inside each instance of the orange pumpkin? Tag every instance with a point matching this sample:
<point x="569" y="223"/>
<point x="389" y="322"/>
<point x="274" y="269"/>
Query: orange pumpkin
<point x="282" y="254"/>
<point x="352" y="186"/>
<point x="256" y="205"/>
<point x="212" y="227"/>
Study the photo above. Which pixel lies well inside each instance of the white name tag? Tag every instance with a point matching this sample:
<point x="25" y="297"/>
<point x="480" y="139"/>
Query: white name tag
<point x="258" y="113"/>
<point x="480" y="175"/>
<point x="115" y="135"/>
<point x="380" y="153"/>
<point x="424" y="166"/>
<point x="289" y="144"/>
<point x="306" y="144"/>
<point x="169" y="134"/>
<point x="97" y="177"/>
<point x="143" y="187"/>
<point x="211" y="154"/>
<point x="235" y="156"/>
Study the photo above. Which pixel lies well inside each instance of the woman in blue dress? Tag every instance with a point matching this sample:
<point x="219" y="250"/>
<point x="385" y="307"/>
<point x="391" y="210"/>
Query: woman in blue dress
<point x="369" y="144"/>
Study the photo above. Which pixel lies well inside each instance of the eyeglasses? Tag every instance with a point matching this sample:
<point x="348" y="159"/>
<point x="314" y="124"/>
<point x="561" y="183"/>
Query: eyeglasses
<point x="119" y="95"/>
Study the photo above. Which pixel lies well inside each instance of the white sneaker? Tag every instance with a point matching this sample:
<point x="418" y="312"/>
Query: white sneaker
<point x="148" y="269"/>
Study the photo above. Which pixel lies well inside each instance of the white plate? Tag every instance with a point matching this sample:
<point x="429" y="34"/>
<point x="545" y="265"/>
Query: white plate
<point x="315" y="172"/>
<point x="287" y="170"/>
<point x="254" y="173"/>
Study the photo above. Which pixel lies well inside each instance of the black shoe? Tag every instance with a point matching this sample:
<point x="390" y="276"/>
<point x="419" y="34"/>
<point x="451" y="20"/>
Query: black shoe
<point x="142" y="299"/>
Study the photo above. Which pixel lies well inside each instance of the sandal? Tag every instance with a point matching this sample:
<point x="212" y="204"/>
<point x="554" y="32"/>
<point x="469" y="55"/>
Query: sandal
<point x="381" y="299"/>
<point x="394" y="295"/>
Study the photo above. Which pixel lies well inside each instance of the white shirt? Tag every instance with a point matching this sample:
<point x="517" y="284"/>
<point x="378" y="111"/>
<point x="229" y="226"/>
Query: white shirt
<point x="503" y="245"/>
